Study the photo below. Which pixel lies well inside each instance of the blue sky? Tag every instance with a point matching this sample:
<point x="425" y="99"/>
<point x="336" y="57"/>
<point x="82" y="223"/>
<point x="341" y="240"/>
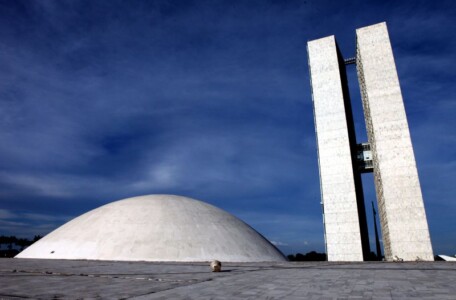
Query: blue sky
<point x="103" y="100"/>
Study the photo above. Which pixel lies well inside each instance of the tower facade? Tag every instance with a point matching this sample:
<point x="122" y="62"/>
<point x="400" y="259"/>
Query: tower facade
<point x="388" y="153"/>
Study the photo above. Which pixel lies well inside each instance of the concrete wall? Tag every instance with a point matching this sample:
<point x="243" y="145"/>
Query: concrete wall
<point x="401" y="209"/>
<point x="342" y="230"/>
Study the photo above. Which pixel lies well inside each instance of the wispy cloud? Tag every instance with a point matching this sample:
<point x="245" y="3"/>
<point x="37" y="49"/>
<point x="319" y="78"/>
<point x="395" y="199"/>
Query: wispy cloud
<point x="28" y="224"/>
<point x="278" y="243"/>
<point x="6" y="214"/>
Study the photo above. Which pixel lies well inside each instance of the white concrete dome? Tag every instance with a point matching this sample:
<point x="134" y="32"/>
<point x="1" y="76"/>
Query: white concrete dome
<point x="155" y="228"/>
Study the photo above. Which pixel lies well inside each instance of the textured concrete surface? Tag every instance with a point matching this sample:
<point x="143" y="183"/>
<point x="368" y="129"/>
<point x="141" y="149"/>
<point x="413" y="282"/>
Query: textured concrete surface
<point x="155" y="228"/>
<point x="400" y="202"/>
<point x="337" y="182"/>
<point x="60" y="279"/>
<point x="401" y="209"/>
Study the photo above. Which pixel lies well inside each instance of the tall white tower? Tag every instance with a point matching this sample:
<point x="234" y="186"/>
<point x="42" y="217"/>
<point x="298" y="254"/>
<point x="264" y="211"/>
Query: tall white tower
<point x="388" y="153"/>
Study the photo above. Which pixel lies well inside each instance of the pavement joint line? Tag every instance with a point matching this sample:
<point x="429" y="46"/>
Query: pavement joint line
<point x="106" y="276"/>
<point x="168" y="289"/>
<point x="12" y="297"/>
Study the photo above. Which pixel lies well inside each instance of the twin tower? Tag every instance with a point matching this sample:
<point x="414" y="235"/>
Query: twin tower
<point x="388" y="152"/>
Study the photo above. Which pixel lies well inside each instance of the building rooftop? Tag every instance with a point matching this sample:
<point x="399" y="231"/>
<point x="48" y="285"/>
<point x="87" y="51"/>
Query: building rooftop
<point x="155" y="228"/>
<point x="46" y="279"/>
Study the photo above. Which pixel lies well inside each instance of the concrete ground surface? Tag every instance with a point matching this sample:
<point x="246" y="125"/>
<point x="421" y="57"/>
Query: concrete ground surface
<point x="72" y="279"/>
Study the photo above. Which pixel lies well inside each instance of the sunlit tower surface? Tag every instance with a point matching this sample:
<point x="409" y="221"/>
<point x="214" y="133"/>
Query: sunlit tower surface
<point x="388" y="152"/>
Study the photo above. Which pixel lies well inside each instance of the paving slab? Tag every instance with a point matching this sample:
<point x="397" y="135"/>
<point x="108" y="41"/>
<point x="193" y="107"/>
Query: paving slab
<point x="79" y="279"/>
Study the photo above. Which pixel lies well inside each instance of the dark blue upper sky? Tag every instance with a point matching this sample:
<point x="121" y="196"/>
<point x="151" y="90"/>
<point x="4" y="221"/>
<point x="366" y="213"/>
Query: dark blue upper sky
<point x="103" y="100"/>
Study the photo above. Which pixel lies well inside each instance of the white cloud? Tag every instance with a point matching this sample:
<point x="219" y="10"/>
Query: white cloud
<point x="40" y="184"/>
<point x="277" y="243"/>
<point x="6" y="214"/>
<point x="44" y="218"/>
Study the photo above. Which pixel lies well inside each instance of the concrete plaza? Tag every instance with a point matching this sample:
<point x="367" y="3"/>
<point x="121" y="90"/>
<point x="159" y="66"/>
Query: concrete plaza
<point x="70" y="279"/>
